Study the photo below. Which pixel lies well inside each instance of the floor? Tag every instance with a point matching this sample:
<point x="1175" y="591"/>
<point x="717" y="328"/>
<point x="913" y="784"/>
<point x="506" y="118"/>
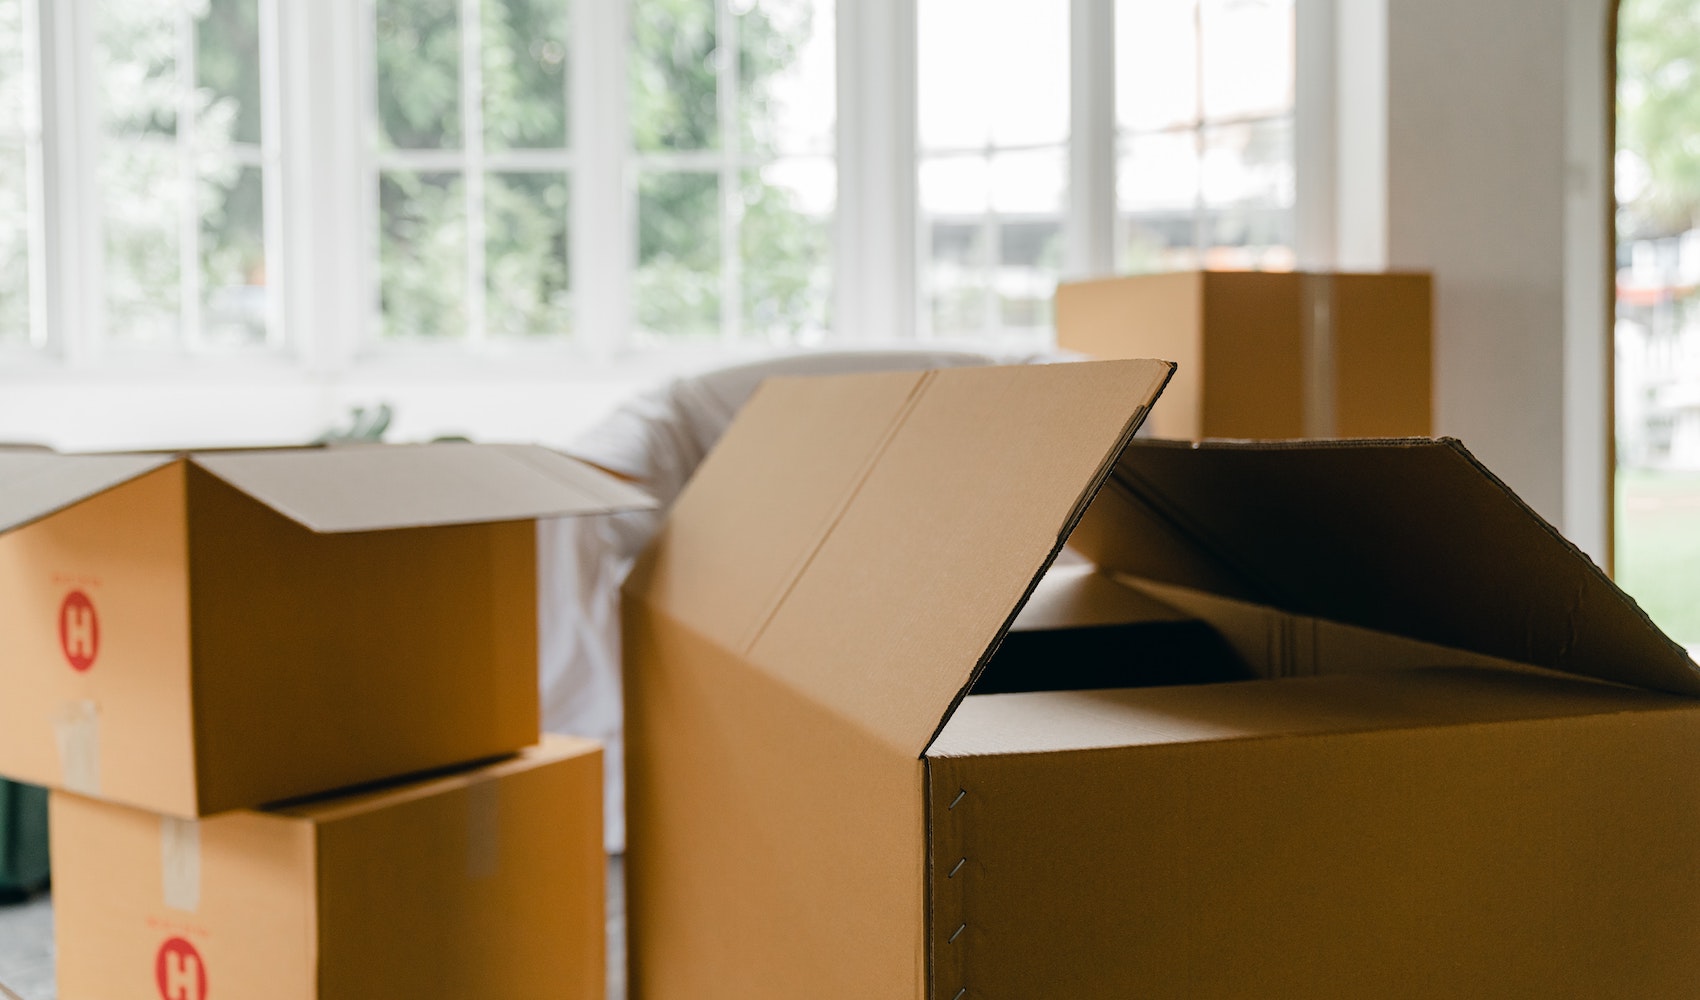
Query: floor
<point x="26" y="943"/>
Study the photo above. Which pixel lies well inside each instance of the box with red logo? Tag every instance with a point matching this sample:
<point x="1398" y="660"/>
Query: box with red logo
<point x="209" y="631"/>
<point x="481" y="883"/>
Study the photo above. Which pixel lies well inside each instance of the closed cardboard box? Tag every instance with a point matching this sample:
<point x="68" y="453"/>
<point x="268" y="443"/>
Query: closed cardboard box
<point x="189" y="634"/>
<point x="1267" y="355"/>
<point x="486" y="883"/>
<point x="1318" y="719"/>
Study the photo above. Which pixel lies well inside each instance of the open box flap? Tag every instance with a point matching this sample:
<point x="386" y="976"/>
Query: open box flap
<point x="1412" y="537"/>
<point x="865" y="540"/>
<point x="348" y="489"/>
<point x="34" y="484"/>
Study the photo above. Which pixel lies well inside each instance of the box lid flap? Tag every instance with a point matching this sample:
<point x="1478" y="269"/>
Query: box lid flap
<point x="34" y="484"/>
<point x="1412" y="537"/>
<point x="372" y="488"/>
<point x="879" y="533"/>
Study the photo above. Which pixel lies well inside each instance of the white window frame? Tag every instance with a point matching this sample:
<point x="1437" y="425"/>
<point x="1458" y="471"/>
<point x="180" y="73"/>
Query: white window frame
<point x="325" y="176"/>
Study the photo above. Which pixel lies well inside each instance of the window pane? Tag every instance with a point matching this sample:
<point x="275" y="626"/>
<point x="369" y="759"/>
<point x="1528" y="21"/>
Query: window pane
<point x="955" y="185"/>
<point x="1248" y="164"/>
<point x="419" y="73"/>
<point x="673" y="75"/>
<point x="137" y="45"/>
<point x="955" y="197"/>
<point x="993" y="72"/>
<point x="787" y="248"/>
<point x="1158" y="172"/>
<point x="1157" y="195"/>
<point x="525" y="74"/>
<point x="1027" y="195"/>
<point x="959" y="283"/>
<point x="14" y="249"/>
<point x="422" y="254"/>
<point x="1249" y="238"/>
<point x="526" y="269"/>
<point x="787" y="75"/>
<point x="227" y="63"/>
<point x="142" y="190"/>
<point x="1147" y="242"/>
<point x="1248" y="57"/>
<point x="233" y="257"/>
<point x="15" y="89"/>
<point x="677" y="284"/>
<point x="1156" y="64"/>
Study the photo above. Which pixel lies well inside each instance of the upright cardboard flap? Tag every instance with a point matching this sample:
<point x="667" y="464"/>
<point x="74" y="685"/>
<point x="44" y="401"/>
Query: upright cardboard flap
<point x="1412" y="537"/>
<point x="940" y="541"/>
<point x="757" y="507"/>
<point x="333" y="490"/>
<point x="35" y="484"/>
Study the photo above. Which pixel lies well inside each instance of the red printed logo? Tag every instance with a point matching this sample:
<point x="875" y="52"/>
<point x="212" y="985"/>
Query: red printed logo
<point x="79" y="631"/>
<point x="180" y="972"/>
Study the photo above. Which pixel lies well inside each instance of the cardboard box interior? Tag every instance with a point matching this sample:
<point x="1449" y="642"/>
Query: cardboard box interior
<point x="478" y="883"/>
<point x="195" y="633"/>
<point x="1327" y="718"/>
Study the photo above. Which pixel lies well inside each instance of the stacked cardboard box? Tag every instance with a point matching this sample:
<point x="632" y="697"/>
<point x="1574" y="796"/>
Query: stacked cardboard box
<point x="1267" y="355"/>
<point x="190" y="638"/>
<point x="1452" y="759"/>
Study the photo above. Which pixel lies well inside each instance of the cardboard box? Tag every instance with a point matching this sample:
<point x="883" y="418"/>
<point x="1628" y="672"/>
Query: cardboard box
<point x="195" y="633"/>
<point x="1267" y="355"/>
<point x="1465" y="766"/>
<point x="487" y="883"/>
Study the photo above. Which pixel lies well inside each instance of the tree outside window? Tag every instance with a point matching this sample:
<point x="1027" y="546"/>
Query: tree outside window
<point x="1658" y="311"/>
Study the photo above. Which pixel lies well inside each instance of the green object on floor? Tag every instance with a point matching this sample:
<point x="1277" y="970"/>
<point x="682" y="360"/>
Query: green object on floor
<point x="23" y="839"/>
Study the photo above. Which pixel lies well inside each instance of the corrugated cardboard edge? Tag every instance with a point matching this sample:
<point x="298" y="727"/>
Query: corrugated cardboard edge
<point x="1692" y="687"/>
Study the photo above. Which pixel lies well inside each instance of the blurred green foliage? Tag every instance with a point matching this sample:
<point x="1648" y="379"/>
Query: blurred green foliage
<point x="1658" y="115"/>
<point x="782" y="270"/>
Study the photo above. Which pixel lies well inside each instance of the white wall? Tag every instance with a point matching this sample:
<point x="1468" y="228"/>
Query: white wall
<point x="1468" y="148"/>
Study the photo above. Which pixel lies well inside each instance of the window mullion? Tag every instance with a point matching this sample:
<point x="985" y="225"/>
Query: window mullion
<point x="1091" y="204"/>
<point x="472" y="139"/>
<point x="1314" y="137"/>
<point x="878" y="233"/>
<point x="1199" y="209"/>
<point x="726" y="106"/>
<point x="991" y="251"/>
<point x="71" y="120"/>
<point x="602" y="208"/>
<point x="35" y="196"/>
<point x="188" y="216"/>
<point x="278" y="273"/>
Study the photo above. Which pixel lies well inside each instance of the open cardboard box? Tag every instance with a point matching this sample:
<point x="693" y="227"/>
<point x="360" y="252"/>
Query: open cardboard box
<point x="1440" y="755"/>
<point x="480" y="883"/>
<point x="217" y="630"/>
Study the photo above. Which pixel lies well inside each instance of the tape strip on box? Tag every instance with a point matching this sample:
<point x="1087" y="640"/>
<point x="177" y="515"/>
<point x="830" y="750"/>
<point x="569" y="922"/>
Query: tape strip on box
<point x="180" y="854"/>
<point x="483" y="830"/>
<point x="1318" y="322"/>
<point x="77" y="728"/>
